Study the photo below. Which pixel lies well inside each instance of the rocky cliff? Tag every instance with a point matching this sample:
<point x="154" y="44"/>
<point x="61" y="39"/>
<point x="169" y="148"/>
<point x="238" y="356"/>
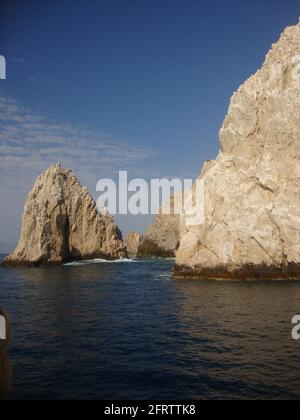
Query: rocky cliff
<point x="61" y="223"/>
<point x="133" y="241"/>
<point x="252" y="190"/>
<point x="162" y="237"/>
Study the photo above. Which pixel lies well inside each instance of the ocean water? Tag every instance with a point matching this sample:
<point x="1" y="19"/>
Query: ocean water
<point x="129" y="330"/>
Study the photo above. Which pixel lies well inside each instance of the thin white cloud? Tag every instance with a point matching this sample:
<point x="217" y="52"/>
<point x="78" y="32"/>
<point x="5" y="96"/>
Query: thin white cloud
<point x="18" y="60"/>
<point x="30" y="142"/>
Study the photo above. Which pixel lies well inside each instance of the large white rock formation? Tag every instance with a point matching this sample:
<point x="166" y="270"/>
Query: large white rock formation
<point x="252" y="190"/>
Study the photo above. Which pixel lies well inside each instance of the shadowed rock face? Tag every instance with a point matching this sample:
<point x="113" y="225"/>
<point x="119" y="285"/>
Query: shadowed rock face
<point x="61" y="223"/>
<point x="162" y="237"/>
<point x="252" y="190"/>
<point x="151" y="249"/>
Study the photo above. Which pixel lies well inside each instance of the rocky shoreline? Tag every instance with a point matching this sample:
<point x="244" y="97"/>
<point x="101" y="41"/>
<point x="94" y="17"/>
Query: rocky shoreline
<point x="248" y="272"/>
<point x="34" y="264"/>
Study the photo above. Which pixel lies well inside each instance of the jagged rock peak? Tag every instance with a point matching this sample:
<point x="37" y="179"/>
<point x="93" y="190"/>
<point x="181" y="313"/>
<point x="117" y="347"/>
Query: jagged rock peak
<point x="61" y="223"/>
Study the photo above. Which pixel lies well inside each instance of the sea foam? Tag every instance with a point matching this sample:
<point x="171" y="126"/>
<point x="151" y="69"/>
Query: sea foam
<point x="99" y="261"/>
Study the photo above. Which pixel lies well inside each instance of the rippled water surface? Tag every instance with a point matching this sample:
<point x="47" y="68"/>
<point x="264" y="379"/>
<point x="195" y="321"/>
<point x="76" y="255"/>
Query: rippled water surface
<point x="130" y="331"/>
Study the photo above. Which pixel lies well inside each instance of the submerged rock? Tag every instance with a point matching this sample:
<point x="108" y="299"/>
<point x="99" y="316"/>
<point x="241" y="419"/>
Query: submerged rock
<point x="61" y="223"/>
<point x="252" y="190"/>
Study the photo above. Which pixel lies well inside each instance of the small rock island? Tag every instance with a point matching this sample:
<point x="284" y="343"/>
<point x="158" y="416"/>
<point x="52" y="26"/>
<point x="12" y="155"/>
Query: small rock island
<point x="61" y="223"/>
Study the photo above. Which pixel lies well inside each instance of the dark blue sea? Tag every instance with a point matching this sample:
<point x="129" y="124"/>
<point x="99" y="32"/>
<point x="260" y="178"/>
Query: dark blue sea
<point x="130" y="331"/>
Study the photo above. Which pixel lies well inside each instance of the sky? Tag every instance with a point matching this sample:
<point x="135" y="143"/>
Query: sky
<point x="110" y="85"/>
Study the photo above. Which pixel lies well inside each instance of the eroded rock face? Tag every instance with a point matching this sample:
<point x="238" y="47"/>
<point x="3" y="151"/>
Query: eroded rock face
<point x="133" y="241"/>
<point x="162" y="237"/>
<point x="252" y="190"/>
<point x="61" y="223"/>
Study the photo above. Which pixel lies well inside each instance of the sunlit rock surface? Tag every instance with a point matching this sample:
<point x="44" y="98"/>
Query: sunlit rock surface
<point x="61" y="223"/>
<point x="133" y="241"/>
<point x="252" y="190"/>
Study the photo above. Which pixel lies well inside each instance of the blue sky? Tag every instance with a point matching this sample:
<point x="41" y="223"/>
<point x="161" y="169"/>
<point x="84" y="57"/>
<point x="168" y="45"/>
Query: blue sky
<point x="109" y="85"/>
